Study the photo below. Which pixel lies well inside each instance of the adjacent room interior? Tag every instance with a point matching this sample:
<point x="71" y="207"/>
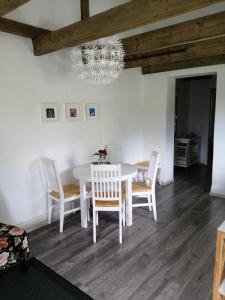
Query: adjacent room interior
<point x="112" y="165"/>
<point x="195" y="102"/>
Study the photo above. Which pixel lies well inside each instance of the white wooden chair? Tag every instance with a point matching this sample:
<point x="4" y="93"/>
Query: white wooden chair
<point x="115" y="154"/>
<point x="58" y="192"/>
<point x="107" y="194"/>
<point x="146" y="189"/>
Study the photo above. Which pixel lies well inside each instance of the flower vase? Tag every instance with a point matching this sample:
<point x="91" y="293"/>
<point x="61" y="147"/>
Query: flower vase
<point x="102" y="160"/>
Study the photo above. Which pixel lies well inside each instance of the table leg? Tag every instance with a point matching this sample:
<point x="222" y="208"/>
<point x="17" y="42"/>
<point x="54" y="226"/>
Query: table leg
<point x="129" y="220"/>
<point x="144" y="175"/>
<point x="83" y="204"/>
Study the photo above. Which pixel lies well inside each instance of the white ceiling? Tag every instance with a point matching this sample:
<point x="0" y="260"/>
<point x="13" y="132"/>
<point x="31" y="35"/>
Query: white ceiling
<point x="54" y="14"/>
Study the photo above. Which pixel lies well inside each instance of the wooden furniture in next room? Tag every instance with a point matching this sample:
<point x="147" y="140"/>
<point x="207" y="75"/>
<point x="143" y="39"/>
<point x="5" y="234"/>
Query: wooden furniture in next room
<point x="186" y="152"/>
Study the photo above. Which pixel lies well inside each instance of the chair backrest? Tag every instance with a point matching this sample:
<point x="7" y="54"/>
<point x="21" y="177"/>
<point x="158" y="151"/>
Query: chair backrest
<point x="52" y="175"/>
<point x="115" y="154"/>
<point x="106" y="183"/>
<point x="153" y="168"/>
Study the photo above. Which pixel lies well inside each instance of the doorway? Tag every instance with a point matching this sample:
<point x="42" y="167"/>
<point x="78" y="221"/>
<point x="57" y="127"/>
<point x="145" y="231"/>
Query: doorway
<point x="195" y="102"/>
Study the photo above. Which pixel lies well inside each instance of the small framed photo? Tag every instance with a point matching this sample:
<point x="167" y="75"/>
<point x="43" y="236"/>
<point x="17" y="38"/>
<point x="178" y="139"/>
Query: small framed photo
<point x="49" y="112"/>
<point x="73" y="112"/>
<point x="91" y="111"/>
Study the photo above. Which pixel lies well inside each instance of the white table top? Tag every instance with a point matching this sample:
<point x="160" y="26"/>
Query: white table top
<point x="83" y="172"/>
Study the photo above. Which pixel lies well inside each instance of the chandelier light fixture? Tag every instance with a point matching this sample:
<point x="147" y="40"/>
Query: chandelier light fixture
<point x="99" y="61"/>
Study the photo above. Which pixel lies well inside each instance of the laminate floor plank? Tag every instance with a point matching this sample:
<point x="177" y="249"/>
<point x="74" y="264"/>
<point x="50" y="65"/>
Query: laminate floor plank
<point x="171" y="259"/>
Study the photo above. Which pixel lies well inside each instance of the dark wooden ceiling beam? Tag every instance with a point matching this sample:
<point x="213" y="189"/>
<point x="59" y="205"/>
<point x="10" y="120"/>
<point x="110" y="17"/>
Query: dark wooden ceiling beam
<point x="121" y="18"/>
<point x="21" y="29"/>
<point x="6" y="6"/>
<point x="84" y="8"/>
<point x="202" y="28"/>
<point x="206" y="48"/>
<point x="193" y="63"/>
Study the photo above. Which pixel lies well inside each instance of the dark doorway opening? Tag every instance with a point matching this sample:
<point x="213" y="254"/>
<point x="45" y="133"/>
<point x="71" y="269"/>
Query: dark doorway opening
<point x="194" y="127"/>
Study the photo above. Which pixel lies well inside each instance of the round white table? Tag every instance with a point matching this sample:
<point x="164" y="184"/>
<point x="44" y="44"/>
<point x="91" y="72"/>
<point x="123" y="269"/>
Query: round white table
<point x="83" y="174"/>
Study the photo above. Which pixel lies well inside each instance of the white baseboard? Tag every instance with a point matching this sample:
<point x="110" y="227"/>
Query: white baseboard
<point x="34" y="223"/>
<point x="166" y="182"/>
<point x="40" y="220"/>
<point x="217" y="195"/>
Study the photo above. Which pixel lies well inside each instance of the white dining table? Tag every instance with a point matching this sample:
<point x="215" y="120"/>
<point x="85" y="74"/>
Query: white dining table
<point x="83" y="174"/>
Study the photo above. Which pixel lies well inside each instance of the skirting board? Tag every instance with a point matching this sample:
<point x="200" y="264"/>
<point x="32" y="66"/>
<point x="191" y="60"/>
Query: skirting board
<point x="34" y="223"/>
<point x="39" y="221"/>
<point x="217" y="195"/>
<point x="166" y="182"/>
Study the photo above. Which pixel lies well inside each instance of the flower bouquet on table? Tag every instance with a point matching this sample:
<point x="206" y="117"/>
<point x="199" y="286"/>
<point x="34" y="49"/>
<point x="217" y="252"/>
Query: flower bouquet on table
<point x="102" y="156"/>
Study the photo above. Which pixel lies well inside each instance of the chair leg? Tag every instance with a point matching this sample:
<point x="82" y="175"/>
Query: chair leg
<point x="154" y="206"/>
<point x="94" y="226"/>
<point x="144" y="175"/>
<point x="97" y="218"/>
<point x="149" y="202"/>
<point x="73" y="206"/>
<point x="61" y="222"/>
<point x="120" y="227"/>
<point x="49" y="210"/>
<point x="88" y="215"/>
<point x="124" y="214"/>
<point x="88" y="210"/>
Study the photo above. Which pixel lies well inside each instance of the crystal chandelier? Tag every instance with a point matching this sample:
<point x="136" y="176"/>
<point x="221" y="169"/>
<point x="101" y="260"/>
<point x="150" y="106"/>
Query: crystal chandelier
<point x="100" y="61"/>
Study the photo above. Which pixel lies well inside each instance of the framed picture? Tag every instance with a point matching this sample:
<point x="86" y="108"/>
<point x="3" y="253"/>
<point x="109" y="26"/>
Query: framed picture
<point x="73" y="112"/>
<point x="49" y="112"/>
<point x="91" y="111"/>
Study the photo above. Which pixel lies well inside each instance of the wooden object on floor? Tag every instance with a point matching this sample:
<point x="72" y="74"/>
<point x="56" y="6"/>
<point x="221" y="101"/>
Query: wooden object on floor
<point x="219" y="268"/>
<point x="6" y="6"/>
<point x="118" y="19"/>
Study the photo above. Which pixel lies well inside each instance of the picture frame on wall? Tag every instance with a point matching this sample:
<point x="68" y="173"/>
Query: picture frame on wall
<point x="73" y="111"/>
<point x="49" y="112"/>
<point x="91" y="111"/>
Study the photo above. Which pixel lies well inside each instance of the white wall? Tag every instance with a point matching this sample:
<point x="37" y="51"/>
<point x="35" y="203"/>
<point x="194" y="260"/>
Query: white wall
<point x="25" y="82"/>
<point x="158" y="95"/>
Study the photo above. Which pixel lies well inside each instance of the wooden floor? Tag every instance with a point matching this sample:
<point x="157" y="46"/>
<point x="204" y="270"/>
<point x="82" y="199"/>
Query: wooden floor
<point x="170" y="259"/>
